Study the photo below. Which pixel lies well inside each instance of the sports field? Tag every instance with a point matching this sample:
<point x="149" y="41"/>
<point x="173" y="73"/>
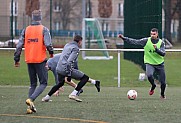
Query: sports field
<point x="110" y="105"/>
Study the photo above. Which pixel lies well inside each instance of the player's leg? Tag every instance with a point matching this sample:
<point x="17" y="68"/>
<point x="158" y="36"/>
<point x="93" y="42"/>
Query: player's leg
<point x="76" y="74"/>
<point x="42" y="73"/>
<point x="61" y="80"/>
<point x="149" y="72"/>
<point x="33" y="79"/>
<point x="71" y="83"/>
<point x="74" y="85"/>
<point x="56" y="82"/>
<point x="96" y="83"/>
<point x="162" y="77"/>
<point x="33" y="84"/>
<point x="82" y="82"/>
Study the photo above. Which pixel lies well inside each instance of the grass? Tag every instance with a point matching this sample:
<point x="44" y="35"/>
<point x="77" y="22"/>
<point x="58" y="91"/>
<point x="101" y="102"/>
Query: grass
<point x="172" y="67"/>
<point x="104" y="70"/>
<point x="110" y="105"/>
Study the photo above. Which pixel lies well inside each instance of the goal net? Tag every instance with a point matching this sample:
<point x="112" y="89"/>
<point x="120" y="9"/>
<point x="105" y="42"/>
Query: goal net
<point x="93" y="39"/>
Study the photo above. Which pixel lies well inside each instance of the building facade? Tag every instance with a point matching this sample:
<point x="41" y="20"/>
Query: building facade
<point x="63" y="17"/>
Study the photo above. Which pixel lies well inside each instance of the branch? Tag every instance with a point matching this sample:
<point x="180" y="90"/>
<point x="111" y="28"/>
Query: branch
<point x="175" y="9"/>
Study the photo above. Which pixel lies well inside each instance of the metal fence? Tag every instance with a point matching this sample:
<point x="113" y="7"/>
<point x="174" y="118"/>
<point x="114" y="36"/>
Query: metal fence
<point x="173" y="78"/>
<point x="63" y="18"/>
<point x="140" y="17"/>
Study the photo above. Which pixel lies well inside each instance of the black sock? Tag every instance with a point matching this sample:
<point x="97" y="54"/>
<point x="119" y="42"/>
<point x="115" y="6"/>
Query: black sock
<point x="163" y="86"/>
<point x="82" y="82"/>
<point x="55" y="88"/>
<point x="151" y="80"/>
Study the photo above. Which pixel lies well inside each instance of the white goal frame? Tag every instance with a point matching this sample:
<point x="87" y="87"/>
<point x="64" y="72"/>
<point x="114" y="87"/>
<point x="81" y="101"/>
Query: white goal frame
<point x="84" y="41"/>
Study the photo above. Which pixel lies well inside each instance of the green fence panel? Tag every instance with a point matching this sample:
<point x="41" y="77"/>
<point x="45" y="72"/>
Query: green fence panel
<point x="140" y="16"/>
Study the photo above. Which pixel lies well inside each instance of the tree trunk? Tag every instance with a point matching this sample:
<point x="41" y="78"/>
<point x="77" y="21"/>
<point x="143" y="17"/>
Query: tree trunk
<point x="179" y="28"/>
<point x="105" y="8"/>
<point x="31" y="5"/>
<point x="167" y="9"/>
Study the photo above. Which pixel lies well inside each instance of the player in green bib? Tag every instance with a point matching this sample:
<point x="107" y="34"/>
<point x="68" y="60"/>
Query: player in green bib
<point x="154" y="52"/>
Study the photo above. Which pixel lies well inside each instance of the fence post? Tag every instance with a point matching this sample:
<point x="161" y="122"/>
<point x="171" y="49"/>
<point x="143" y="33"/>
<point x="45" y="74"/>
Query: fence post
<point x="51" y="18"/>
<point x="12" y="37"/>
<point x="119" y="69"/>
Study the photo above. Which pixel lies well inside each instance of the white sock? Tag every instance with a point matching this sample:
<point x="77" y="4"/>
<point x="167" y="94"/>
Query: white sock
<point x="74" y="92"/>
<point x="47" y="97"/>
<point x="93" y="82"/>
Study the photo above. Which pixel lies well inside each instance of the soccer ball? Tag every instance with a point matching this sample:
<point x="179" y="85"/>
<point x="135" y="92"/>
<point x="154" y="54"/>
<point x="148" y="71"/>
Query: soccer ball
<point x="132" y="94"/>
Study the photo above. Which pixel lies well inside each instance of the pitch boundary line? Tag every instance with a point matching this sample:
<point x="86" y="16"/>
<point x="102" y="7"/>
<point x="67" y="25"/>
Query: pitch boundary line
<point x="56" y="118"/>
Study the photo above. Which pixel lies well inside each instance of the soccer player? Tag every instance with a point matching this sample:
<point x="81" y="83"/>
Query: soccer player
<point x="36" y="39"/>
<point x="51" y="65"/>
<point x="154" y="52"/>
<point x="65" y="68"/>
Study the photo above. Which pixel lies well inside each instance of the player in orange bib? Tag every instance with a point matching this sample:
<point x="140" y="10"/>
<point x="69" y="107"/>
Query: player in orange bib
<point x="36" y="39"/>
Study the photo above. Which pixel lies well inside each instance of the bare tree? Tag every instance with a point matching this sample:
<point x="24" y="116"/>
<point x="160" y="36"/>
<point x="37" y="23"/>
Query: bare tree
<point x="177" y="10"/>
<point x="31" y="5"/>
<point x="167" y="9"/>
<point x="67" y="11"/>
<point x="105" y="8"/>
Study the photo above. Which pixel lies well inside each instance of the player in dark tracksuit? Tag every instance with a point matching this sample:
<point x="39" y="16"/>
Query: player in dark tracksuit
<point x="65" y="68"/>
<point x="52" y="64"/>
<point x="154" y="52"/>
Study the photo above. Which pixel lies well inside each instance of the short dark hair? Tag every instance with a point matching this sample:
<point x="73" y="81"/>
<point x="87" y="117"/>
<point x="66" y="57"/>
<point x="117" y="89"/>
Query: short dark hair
<point x="154" y="30"/>
<point x="37" y="15"/>
<point x="77" y="38"/>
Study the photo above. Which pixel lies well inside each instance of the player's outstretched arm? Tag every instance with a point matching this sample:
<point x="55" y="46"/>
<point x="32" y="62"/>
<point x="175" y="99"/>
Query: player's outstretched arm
<point x="141" y="42"/>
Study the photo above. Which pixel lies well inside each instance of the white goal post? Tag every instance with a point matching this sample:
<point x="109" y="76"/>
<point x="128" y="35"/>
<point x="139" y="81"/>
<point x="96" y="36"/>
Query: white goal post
<point x="92" y="34"/>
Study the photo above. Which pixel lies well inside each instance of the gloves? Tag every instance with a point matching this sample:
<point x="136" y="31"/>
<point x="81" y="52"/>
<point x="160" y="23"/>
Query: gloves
<point x="16" y="64"/>
<point x="68" y="72"/>
<point x="51" y="55"/>
<point x="16" y="58"/>
<point x="69" y="78"/>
